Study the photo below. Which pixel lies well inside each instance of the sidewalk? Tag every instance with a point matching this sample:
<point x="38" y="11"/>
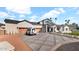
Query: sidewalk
<point x="16" y="42"/>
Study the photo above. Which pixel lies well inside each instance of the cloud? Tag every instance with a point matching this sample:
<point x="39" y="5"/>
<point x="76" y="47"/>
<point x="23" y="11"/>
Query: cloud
<point x="53" y="13"/>
<point x="3" y="14"/>
<point x="61" y="10"/>
<point x="20" y="19"/>
<point x="21" y="7"/>
<point x="11" y="17"/>
<point x="33" y="18"/>
<point x="73" y="20"/>
<point x="20" y="10"/>
<point x="21" y="16"/>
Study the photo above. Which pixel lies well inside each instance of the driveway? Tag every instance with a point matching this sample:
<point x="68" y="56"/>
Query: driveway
<point x="45" y="41"/>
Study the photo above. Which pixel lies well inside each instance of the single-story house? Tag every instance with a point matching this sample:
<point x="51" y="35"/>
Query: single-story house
<point x="24" y="25"/>
<point x="15" y="27"/>
<point x="65" y="29"/>
<point x="11" y="26"/>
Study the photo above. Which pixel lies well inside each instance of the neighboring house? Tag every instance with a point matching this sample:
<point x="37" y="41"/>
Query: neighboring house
<point x="65" y="29"/>
<point x="11" y="26"/>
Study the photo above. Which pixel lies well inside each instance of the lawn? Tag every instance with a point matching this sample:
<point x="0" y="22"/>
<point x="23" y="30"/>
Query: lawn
<point x="76" y="33"/>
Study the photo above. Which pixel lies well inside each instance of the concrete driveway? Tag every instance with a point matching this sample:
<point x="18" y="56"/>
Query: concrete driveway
<point x="45" y="41"/>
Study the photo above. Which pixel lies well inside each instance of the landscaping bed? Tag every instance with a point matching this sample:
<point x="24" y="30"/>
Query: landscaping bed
<point x="73" y="46"/>
<point x="71" y="35"/>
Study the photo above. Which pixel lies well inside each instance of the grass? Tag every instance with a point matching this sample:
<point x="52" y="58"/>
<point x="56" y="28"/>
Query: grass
<point x="76" y="33"/>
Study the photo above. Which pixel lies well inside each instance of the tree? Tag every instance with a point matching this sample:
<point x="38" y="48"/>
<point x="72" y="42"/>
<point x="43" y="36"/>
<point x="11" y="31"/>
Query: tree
<point x="75" y="25"/>
<point x="67" y="22"/>
<point x="55" y="19"/>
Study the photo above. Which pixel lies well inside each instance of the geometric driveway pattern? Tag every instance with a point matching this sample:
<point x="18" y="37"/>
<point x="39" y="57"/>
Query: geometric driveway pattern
<point x="45" y="41"/>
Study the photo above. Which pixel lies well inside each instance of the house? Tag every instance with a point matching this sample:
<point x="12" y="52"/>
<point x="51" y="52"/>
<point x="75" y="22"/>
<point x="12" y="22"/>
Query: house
<point x="23" y="26"/>
<point x="48" y="25"/>
<point x="11" y="26"/>
<point x="65" y="29"/>
<point x="54" y="28"/>
<point x="16" y="27"/>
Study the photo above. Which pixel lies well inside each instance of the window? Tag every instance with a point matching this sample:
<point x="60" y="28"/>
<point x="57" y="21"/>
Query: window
<point x="66" y="29"/>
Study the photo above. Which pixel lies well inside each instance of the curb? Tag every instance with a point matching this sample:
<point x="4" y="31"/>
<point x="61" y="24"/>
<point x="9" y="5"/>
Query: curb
<point x="66" y="35"/>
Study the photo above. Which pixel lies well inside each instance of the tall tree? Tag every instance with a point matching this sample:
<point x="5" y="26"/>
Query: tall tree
<point x="75" y="25"/>
<point x="67" y="22"/>
<point x="55" y="19"/>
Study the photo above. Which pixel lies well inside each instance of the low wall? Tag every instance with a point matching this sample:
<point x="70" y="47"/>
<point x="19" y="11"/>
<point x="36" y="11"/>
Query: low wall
<point x="2" y="32"/>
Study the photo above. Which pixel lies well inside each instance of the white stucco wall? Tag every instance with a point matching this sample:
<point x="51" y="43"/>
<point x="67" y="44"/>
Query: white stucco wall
<point x="38" y="26"/>
<point x="55" y="28"/>
<point x="63" y="30"/>
<point x="11" y="28"/>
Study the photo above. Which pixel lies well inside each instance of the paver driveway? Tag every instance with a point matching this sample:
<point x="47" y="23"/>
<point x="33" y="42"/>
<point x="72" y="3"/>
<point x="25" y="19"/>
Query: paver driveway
<point x="45" y="41"/>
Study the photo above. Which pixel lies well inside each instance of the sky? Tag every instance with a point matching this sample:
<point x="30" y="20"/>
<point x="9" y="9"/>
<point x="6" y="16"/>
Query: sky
<point x="29" y="10"/>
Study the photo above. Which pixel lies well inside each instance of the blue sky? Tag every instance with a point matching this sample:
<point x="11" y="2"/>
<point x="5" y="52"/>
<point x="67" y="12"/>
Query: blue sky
<point x="39" y="13"/>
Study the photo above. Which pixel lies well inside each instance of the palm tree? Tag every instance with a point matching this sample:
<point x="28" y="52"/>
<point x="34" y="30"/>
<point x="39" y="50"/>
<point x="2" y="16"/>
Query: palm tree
<point x="67" y="21"/>
<point x="55" y="19"/>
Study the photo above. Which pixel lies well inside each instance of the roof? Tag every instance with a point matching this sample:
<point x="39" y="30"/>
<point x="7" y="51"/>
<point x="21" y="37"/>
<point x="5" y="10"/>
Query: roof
<point x="33" y="23"/>
<point x="44" y="19"/>
<point x="11" y="21"/>
<point x="70" y="27"/>
<point x="48" y="20"/>
<point x="15" y="21"/>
